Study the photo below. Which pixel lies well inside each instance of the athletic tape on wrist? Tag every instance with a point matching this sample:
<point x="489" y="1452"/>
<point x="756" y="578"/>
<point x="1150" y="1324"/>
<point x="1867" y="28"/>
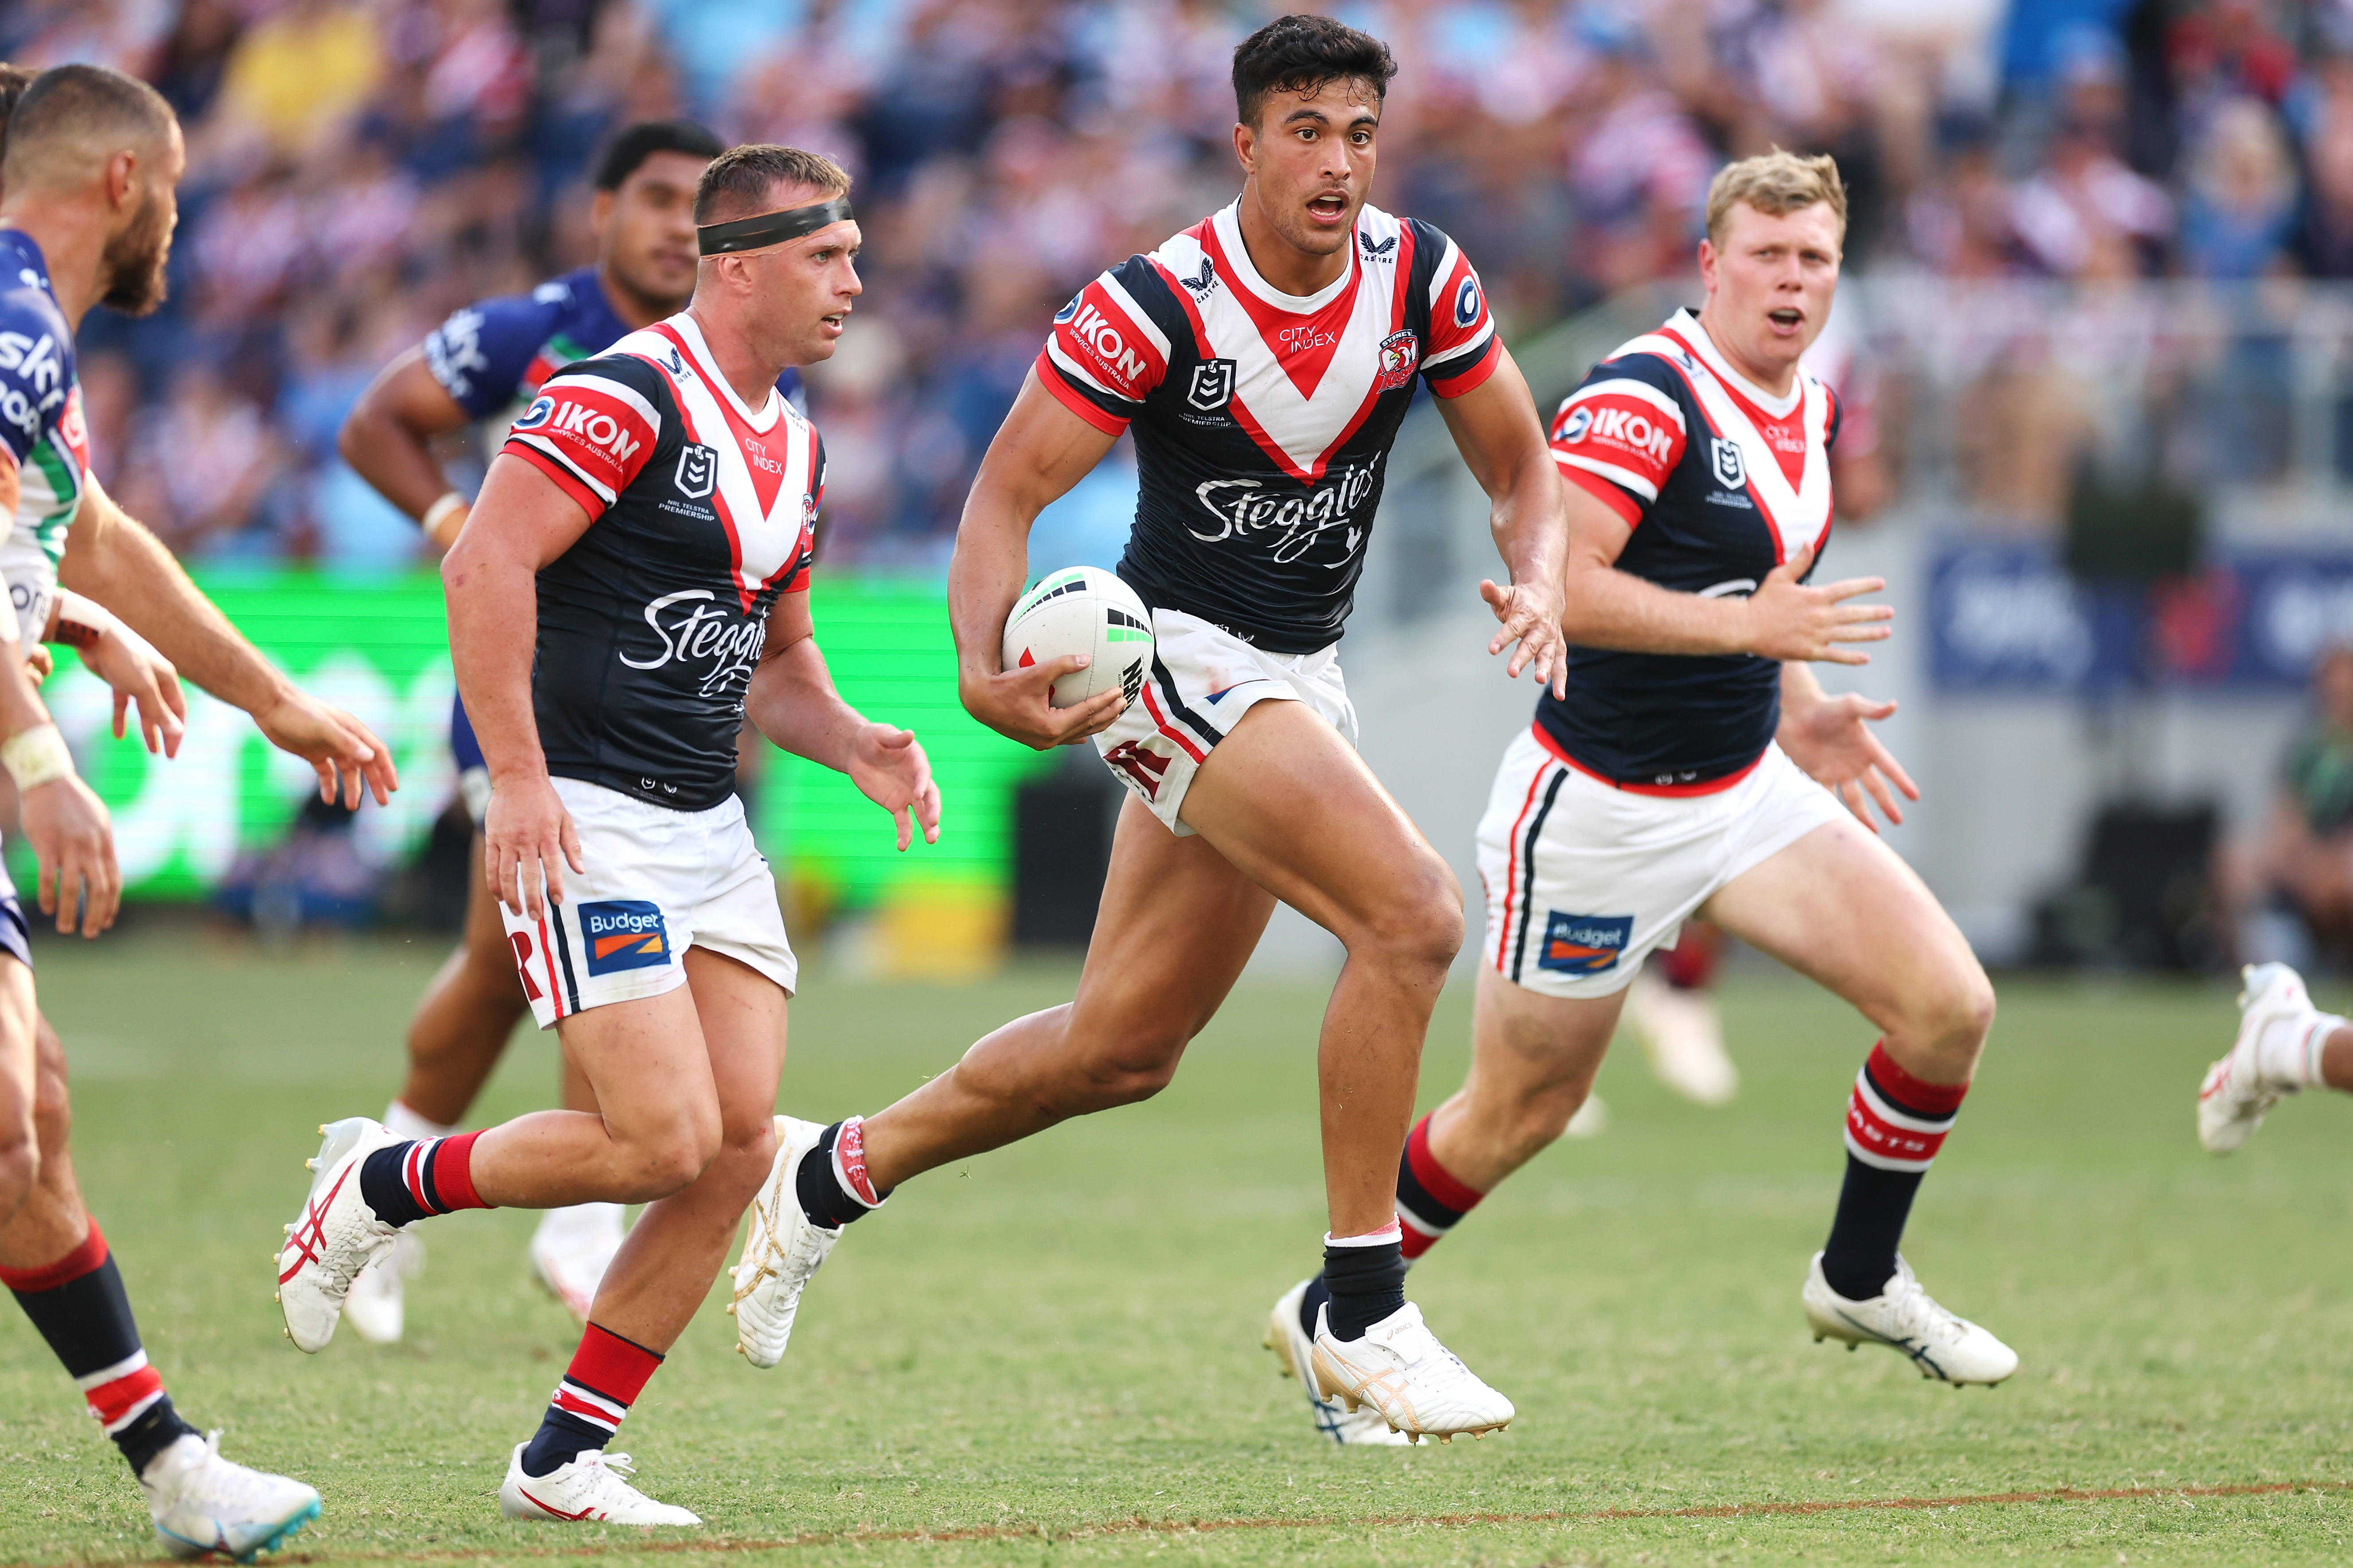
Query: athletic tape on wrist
<point x="35" y="756"/>
<point x="763" y="229"/>
<point x="439" y="512"/>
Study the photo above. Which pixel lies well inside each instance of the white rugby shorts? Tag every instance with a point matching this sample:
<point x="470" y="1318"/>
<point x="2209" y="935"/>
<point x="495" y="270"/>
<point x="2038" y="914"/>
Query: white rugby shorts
<point x="1203" y="679"/>
<point x="658" y="882"/>
<point x="1584" y="878"/>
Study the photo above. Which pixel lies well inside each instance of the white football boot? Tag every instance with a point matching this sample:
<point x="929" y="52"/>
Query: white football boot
<point x="1419" y="1388"/>
<point x="571" y="1250"/>
<point x="203" y="1503"/>
<point x="1903" y="1317"/>
<point x="1684" y="1037"/>
<point x="2237" y="1095"/>
<point x="588" y="1489"/>
<point x="1294" y="1354"/>
<point x="375" y="1305"/>
<point x="337" y="1236"/>
<point x="781" y="1250"/>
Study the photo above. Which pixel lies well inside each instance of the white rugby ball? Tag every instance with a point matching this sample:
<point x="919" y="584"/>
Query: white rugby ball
<point x="1083" y="610"/>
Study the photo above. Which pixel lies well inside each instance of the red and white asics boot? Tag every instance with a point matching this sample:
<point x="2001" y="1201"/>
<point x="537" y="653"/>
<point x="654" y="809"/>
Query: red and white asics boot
<point x="335" y="1235"/>
<point x="589" y="1490"/>
<point x="2237" y="1094"/>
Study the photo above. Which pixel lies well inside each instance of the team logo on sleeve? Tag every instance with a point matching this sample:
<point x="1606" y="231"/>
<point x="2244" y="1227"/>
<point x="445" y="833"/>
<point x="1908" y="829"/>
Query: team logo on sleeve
<point x="1467" y="303"/>
<point x="534" y="416"/>
<point x="1573" y="428"/>
<point x="1584" y="944"/>
<point x="698" y="470"/>
<point x="1069" y="312"/>
<point x="1731" y="471"/>
<point x="624" y="934"/>
<point x="1213" y="385"/>
<point x="1400" y="352"/>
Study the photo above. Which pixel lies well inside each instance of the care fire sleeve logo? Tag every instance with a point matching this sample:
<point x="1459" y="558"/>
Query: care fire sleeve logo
<point x="624" y="934"/>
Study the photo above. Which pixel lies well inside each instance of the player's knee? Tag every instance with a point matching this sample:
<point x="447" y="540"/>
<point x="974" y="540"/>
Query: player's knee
<point x="1419" y="927"/>
<point x="1129" y="1077"/>
<point x="1952" y="1019"/>
<point x="669" y="1160"/>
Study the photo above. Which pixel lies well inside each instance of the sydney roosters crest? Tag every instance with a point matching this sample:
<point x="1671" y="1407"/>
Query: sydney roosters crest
<point x="1400" y="352"/>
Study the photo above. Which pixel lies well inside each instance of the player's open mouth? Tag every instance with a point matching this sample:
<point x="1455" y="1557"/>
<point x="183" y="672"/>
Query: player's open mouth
<point x="1329" y="207"/>
<point x="1786" y="318"/>
<point x="835" y="322"/>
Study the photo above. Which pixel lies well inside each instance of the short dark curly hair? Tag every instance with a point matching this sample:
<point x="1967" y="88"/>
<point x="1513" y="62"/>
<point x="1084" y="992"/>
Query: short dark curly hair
<point x="1301" y="53"/>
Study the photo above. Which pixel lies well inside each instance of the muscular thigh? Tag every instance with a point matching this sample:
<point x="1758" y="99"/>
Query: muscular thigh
<point x="1177" y="924"/>
<point x="741" y="1015"/>
<point x="1840" y="907"/>
<point x="647" y="1060"/>
<point x="1286" y="800"/>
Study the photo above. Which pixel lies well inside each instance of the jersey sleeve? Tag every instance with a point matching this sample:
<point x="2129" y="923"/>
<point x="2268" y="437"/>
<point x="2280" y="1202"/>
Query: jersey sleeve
<point x="799" y="583"/>
<point x="35" y="381"/>
<point x="593" y="428"/>
<point x="1622" y="433"/>
<point x="1105" y="353"/>
<point x="479" y="354"/>
<point x="1463" y="349"/>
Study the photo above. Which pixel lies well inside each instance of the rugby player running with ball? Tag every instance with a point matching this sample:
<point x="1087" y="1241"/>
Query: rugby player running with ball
<point x="486" y="363"/>
<point x="633" y="583"/>
<point x="1690" y="770"/>
<point x="1264" y="358"/>
<point x="87" y="204"/>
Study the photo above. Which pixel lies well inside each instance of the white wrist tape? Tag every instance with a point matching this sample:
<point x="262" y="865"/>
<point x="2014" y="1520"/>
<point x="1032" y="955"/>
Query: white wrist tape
<point x="439" y="512"/>
<point x="35" y="756"/>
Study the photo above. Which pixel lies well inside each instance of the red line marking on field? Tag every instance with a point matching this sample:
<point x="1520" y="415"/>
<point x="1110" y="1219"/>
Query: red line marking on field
<point x="607" y="1546"/>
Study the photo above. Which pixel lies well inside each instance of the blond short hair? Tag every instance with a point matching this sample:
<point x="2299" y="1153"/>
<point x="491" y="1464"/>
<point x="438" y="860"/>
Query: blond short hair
<point x="1774" y="184"/>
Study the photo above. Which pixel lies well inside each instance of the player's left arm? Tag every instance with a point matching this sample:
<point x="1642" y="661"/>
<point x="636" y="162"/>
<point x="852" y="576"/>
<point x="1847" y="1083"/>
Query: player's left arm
<point x="1496" y="428"/>
<point x="1830" y="740"/>
<point x="793" y="702"/>
<point x="111" y="558"/>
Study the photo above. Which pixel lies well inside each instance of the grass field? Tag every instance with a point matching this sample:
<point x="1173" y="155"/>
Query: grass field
<point x="1051" y="1356"/>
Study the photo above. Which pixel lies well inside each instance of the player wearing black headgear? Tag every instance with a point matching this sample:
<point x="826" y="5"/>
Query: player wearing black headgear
<point x="486" y="362"/>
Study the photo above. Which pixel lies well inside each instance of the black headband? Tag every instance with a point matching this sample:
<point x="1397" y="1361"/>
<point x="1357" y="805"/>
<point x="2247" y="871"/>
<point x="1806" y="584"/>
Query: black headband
<point x="769" y="228"/>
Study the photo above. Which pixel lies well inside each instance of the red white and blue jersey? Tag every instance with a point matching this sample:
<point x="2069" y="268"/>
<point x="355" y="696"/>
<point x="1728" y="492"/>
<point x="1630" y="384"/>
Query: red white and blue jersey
<point x="702" y="512"/>
<point x="41" y="432"/>
<point x="492" y="354"/>
<point x="1721" y="482"/>
<point x="1264" y="420"/>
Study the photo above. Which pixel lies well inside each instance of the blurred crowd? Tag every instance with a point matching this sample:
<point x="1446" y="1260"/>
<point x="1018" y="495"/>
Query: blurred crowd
<point x="357" y="170"/>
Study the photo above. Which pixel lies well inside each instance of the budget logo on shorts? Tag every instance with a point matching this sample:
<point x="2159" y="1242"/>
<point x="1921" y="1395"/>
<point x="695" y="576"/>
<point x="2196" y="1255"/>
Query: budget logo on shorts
<point x="1584" y="944"/>
<point x="624" y="934"/>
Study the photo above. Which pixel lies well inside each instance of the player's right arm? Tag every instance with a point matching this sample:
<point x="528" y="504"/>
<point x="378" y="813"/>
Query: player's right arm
<point x="387" y="439"/>
<point x="1611" y="486"/>
<point x="69" y="830"/>
<point x="1042" y="451"/>
<point x="524" y="521"/>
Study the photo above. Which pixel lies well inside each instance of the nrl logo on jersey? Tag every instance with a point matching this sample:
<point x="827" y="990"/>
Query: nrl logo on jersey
<point x="1731" y="472"/>
<point x="1213" y="385"/>
<point x="697" y="472"/>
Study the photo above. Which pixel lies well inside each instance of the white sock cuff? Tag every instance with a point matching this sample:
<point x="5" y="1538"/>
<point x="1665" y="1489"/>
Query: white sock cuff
<point x="1388" y="1234"/>
<point x="407" y="1123"/>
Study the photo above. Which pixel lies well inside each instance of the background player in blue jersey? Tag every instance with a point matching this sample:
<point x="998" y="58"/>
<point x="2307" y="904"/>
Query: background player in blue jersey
<point x="484" y="363"/>
<point x="1264" y="358"/>
<point x="87" y="211"/>
<point x="1690" y="767"/>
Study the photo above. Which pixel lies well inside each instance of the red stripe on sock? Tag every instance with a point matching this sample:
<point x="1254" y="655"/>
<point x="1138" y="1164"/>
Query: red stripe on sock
<point x="453" y="1174"/>
<point x="82" y="1260"/>
<point x="110" y="1402"/>
<point x="1911" y="1093"/>
<point x="1434" y="1178"/>
<point x="613" y="1366"/>
<point x="1414" y="1243"/>
<point x="849" y="1159"/>
<point x="1874" y="1132"/>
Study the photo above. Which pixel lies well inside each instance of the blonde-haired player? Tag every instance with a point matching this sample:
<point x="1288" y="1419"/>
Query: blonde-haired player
<point x="1695" y="767"/>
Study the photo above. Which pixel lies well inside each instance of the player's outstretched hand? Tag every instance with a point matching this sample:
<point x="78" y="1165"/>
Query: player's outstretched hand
<point x="73" y="839"/>
<point x="343" y="749"/>
<point x="1019" y="704"/>
<point x="1530" y="615"/>
<point x="1832" y="743"/>
<point x="527" y="841"/>
<point x="1787" y="619"/>
<point x="128" y="663"/>
<point x="890" y="768"/>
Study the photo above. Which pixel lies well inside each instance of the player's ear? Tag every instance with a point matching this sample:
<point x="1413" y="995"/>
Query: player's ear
<point x="1246" y="146"/>
<point x="123" y="179"/>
